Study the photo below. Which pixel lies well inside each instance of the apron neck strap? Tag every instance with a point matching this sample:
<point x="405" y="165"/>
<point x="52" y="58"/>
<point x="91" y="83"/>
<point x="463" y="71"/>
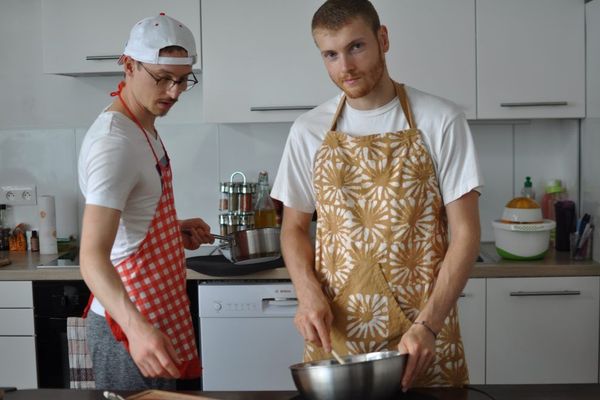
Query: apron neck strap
<point x="340" y="107"/>
<point x="137" y="121"/>
<point x="400" y="92"/>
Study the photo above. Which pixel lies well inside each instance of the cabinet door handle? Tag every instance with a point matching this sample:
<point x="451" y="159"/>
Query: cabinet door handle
<point x="97" y="58"/>
<point x="547" y="293"/>
<point x="535" y="104"/>
<point x="282" y="108"/>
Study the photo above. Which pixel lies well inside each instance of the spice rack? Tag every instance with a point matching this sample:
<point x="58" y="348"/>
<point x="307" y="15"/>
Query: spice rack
<point x="236" y="204"/>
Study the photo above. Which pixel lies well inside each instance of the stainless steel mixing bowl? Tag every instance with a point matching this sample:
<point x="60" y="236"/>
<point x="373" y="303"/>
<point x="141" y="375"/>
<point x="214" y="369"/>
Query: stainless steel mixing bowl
<point x="372" y="376"/>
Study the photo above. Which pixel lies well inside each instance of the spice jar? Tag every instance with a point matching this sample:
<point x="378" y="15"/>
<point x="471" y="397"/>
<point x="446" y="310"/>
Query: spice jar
<point x="245" y="198"/>
<point x="234" y="189"/>
<point x="224" y="198"/>
<point x="246" y="221"/>
<point x="223" y="224"/>
<point x="233" y="223"/>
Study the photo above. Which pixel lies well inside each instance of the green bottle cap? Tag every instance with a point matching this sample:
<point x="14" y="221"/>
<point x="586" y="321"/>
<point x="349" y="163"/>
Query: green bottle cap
<point x="554" y="186"/>
<point x="527" y="182"/>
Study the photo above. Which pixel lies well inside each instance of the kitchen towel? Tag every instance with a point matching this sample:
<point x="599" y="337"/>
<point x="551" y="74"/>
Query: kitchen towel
<point x="47" y="212"/>
<point x="81" y="372"/>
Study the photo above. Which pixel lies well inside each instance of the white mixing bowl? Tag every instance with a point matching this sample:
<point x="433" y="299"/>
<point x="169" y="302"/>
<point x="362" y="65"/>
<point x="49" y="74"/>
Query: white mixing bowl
<point x="523" y="241"/>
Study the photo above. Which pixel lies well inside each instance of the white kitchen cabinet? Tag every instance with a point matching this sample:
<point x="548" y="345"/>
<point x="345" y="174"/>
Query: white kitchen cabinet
<point x="530" y="59"/>
<point x="17" y="342"/>
<point x="432" y="47"/>
<point x="87" y="36"/>
<point x="542" y="330"/>
<point x="471" y="313"/>
<point x="261" y="63"/>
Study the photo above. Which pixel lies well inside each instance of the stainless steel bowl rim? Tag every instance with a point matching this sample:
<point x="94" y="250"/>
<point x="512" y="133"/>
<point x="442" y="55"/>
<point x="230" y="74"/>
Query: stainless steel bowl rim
<point x="387" y="356"/>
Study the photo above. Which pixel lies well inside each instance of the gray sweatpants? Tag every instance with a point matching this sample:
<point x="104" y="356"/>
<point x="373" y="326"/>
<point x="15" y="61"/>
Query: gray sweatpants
<point x="114" y="368"/>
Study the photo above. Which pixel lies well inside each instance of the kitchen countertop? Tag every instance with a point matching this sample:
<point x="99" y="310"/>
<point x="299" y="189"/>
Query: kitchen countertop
<point x="499" y="392"/>
<point x="24" y="268"/>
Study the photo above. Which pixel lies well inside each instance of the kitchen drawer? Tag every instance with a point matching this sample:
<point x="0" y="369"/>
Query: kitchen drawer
<point x="16" y="322"/>
<point x="16" y="294"/>
<point x="17" y="362"/>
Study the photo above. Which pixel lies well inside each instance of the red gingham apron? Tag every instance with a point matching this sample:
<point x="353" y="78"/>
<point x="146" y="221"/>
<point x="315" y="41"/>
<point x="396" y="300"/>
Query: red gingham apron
<point x="155" y="274"/>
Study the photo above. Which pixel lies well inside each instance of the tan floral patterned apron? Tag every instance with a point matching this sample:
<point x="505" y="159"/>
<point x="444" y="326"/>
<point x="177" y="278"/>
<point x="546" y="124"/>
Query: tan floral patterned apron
<point x="381" y="239"/>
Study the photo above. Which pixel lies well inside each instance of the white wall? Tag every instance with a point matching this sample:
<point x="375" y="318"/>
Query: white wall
<point x="590" y="136"/>
<point x="44" y="117"/>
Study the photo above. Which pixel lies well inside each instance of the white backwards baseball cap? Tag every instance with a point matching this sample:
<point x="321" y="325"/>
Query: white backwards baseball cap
<point x="150" y="35"/>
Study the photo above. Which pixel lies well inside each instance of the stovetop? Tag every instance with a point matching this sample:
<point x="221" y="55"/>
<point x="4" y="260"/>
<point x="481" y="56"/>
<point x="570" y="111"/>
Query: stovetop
<point x="67" y="260"/>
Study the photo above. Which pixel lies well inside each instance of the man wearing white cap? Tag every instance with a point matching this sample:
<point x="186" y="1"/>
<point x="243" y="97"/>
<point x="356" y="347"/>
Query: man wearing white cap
<point x="132" y="245"/>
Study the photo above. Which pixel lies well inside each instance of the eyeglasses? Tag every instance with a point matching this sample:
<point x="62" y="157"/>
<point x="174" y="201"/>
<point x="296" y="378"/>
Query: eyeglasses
<point x="168" y="83"/>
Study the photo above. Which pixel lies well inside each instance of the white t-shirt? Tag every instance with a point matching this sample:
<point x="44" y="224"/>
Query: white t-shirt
<point x="117" y="170"/>
<point x="443" y="126"/>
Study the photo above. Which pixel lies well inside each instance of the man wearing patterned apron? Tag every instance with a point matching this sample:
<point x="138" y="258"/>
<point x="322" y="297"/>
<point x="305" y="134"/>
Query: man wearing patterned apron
<point x="132" y="246"/>
<point x="392" y="173"/>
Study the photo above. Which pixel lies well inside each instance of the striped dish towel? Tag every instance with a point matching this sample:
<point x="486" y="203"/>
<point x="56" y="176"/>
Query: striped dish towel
<point x="80" y="360"/>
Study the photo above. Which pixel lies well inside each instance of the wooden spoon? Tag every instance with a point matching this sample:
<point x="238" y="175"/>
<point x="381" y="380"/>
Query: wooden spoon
<point x="337" y="357"/>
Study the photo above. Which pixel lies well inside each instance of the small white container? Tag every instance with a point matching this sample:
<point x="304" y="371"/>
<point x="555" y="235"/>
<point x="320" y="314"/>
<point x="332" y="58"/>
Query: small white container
<point x="523" y="241"/>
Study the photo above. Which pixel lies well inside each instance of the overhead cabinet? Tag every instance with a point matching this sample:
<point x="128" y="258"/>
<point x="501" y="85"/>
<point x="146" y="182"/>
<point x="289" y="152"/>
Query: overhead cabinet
<point x="432" y="47"/>
<point x="261" y="63"/>
<point x="530" y="59"/>
<point x="87" y="36"/>
<point x="497" y="59"/>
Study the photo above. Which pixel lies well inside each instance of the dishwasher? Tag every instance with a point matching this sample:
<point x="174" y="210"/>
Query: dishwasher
<point x="247" y="335"/>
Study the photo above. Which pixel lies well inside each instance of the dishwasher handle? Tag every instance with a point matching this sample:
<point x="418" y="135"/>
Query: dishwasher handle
<point x="280" y="302"/>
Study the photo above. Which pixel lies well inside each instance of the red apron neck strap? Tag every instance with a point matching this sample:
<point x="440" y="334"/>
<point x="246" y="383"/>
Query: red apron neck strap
<point x="118" y="91"/>
<point x="134" y="119"/>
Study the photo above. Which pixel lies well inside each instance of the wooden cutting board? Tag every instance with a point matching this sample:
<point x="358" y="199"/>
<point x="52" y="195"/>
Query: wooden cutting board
<point x="4" y="261"/>
<point x="162" y="395"/>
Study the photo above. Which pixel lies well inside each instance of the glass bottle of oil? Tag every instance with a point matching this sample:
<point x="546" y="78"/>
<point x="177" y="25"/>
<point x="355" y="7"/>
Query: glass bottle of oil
<point x="264" y="212"/>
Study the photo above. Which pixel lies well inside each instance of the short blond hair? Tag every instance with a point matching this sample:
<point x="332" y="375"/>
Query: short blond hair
<point x="334" y="14"/>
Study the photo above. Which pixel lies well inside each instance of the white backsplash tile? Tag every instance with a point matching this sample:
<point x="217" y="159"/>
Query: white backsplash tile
<point x="45" y="158"/>
<point x="79" y="135"/>
<point x="494" y="145"/>
<point x="251" y="148"/>
<point x="590" y="176"/>
<point x="194" y="154"/>
<point x="546" y="149"/>
<point x="205" y="154"/>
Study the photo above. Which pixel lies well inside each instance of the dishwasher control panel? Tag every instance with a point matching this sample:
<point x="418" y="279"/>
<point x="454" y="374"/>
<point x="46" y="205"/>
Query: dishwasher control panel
<point x="247" y="300"/>
<point x="221" y="307"/>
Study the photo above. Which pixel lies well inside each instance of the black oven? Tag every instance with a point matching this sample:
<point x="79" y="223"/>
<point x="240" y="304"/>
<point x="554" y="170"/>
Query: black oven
<point x="53" y="302"/>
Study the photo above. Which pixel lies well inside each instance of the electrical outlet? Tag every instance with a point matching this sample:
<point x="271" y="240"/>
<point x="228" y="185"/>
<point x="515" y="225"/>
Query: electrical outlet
<point x="18" y="195"/>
